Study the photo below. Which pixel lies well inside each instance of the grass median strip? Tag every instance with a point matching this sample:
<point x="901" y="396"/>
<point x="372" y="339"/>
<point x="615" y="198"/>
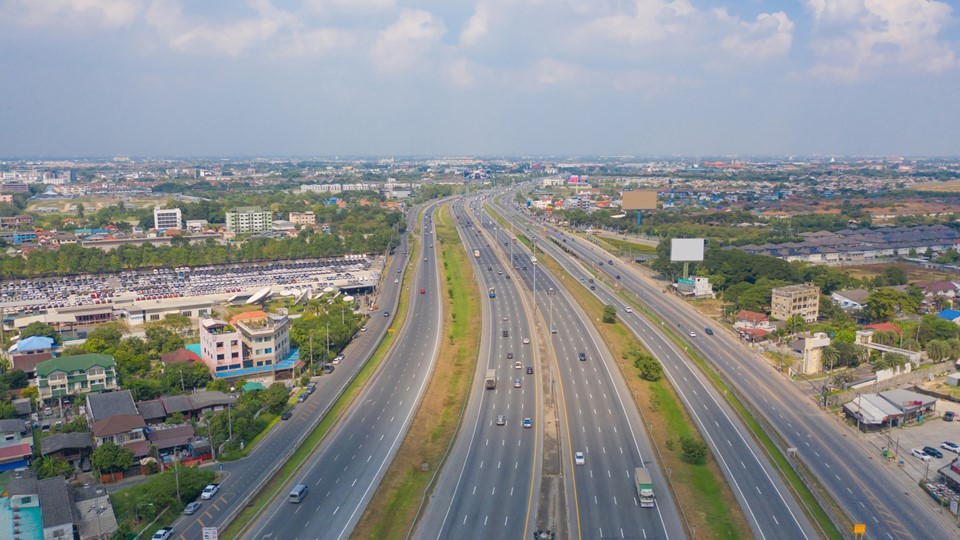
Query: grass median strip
<point x="394" y="506"/>
<point x="312" y="442"/>
<point x="707" y="501"/>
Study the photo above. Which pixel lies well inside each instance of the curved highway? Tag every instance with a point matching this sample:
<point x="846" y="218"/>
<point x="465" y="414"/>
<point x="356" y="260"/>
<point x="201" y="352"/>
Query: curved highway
<point x="350" y="463"/>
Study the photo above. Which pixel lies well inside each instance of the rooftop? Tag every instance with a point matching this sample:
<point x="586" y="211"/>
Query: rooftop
<point x="56" y="508"/>
<point x="106" y="404"/>
<point x="286" y="363"/>
<point x="114" y="425"/>
<point x="82" y="362"/>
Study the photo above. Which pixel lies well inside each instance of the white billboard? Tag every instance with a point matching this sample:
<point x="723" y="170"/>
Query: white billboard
<point x="686" y="249"/>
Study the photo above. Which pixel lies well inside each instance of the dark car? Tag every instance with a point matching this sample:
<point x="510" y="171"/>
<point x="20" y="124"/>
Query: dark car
<point x="327" y="368"/>
<point x="509" y="356"/>
<point x="709" y="331"/>
<point x="529" y="370"/>
<point x="286" y="416"/>
<point x="931" y="451"/>
<point x="582" y="356"/>
<point x="506" y="333"/>
<point x="948" y="416"/>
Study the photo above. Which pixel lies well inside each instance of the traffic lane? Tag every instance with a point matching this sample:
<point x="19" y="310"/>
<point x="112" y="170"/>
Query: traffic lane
<point x="862" y="510"/>
<point x="248" y="474"/>
<point x="404" y="348"/>
<point x="759" y="503"/>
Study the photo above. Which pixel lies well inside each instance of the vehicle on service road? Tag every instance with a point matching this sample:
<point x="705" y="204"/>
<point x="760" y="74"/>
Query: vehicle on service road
<point x="210" y="491"/>
<point x="919" y="454"/>
<point x="644" y="484"/>
<point x="191" y="508"/>
<point x="163" y="534"/>
<point x="949" y="416"/>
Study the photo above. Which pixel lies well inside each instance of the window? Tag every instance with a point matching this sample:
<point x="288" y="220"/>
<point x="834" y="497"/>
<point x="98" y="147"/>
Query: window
<point x="233" y="343"/>
<point x="268" y="350"/>
<point x="155" y="317"/>
<point x="220" y="357"/>
<point x="95" y="372"/>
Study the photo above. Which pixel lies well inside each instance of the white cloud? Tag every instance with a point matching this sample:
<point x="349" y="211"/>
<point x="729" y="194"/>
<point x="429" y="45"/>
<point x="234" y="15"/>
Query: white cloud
<point x="770" y="36"/>
<point x="233" y="38"/>
<point x="102" y="13"/>
<point x="404" y="43"/>
<point x="460" y="73"/>
<point x="860" y="38"/>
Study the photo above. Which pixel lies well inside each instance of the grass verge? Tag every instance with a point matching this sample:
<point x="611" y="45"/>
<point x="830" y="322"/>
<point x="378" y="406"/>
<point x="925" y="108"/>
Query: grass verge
<point x="624" y="247"/>
<point x="312" y="442"/>
<point x="394" y="506"/>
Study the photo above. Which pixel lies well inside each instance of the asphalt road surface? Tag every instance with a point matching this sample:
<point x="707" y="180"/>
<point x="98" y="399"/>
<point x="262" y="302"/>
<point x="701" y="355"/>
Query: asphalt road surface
<point x="597" y="418"/>
<point x="343" y="475"/>
<point x="242" y="478"/>
<point x="859" y="482"/>
<point x="766" y="501"/>
<point x="489" y="486"/>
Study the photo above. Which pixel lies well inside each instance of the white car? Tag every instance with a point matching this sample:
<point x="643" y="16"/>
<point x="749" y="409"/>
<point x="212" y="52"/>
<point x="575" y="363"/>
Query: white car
<point x="526" y="341"/>
<point x="919" y="454"/>
<point x="396" y="281"/>
<point x="337" y="360"/>
<point x="629" y="309"/>
<point x="517" y="365"/>
<point x="947" y="445"/>
<point x="210" y="491"/>
<point x="693" y="334"/>
<point x="578" y="458"/>
<point x="163" y="534"/>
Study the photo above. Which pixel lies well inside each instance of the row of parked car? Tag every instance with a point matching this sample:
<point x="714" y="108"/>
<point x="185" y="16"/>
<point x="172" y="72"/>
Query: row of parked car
<point x="928" y="452"/>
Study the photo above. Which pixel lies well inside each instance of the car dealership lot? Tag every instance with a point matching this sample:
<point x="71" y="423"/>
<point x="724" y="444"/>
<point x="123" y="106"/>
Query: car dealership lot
<point x="931" y="432"/>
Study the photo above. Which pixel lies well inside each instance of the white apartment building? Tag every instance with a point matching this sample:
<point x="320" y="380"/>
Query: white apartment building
<point x="249" y="219"/>
<point x="167" y="218"/>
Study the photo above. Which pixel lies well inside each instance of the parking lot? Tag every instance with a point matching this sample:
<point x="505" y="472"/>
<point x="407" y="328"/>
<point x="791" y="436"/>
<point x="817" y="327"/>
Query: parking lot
<point x="931" y="432"/>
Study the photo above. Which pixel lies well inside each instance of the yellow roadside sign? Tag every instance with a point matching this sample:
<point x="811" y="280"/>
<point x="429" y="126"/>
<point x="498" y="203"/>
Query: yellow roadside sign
<point x="391" y="329"/>
<point x="859" y="528"/>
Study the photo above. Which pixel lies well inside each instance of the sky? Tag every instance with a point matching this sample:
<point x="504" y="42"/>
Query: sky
<point x="155" y="78"/>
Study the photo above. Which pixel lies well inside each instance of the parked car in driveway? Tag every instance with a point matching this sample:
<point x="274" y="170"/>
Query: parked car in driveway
<point x="947" y="445"/>
<point x="919" y="454"/>
<point x="949" y="416"/>
<point x="933" y="452"/>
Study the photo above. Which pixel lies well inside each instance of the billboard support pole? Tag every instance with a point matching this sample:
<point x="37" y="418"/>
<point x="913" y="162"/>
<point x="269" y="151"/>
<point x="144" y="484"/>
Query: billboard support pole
<point x="686" y="270"/>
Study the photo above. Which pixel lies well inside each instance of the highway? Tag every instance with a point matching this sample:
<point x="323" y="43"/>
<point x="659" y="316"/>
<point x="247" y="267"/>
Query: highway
<point x="766" y="501"/>
<point x="598" y="418"/>
<point x="861" y="484"/>
<point x="242" y="478"/>
<point x="488" y="487"/>
<point x="344" y="473"/>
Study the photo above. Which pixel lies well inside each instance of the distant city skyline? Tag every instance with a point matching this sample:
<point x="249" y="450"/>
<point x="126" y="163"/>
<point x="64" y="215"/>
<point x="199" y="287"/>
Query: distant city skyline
<point x="367" y="78"/>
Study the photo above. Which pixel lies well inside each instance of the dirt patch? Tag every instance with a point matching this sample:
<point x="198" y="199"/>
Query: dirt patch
<point x="915" y="274"/>
<point x="952" y="186"/>
<point x="393" y="508"/>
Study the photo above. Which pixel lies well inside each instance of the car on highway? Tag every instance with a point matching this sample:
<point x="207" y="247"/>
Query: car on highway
<point x="516" y="382"/>
<point x="163" y="534"/>
<point x="363" y="328"/>
<point x="949" y="416"/>
<point x="629" y="309"/>
<point x="505" y="333"/>
<point x="947" y="445"/>
<point x="708" y="330"/>
<point x="517" y="365"/>
<point x="618" y="276"/>
<point x="529" y="370"/>
<point x="593" y="287"/>
<point x="526" y="341"/>
<point x="506" y="318"/>
<point x="191" y="508"/>
<point x="527" y="423"/>
<point x="919" y="454"/>
<point x="386" y="313"/>
<point x="582" y="356"/>
<point x="578" y="459"/>
<point x="501" y="420"/>
<point x="610" y="262"/>
<point x="286" y="416"/>
<point x="423" y="291"/>
<point x="693" y="334"/>
<point x="509" y="356"/>
<point x="932" y="452"/>
<point x="210" y="491"/>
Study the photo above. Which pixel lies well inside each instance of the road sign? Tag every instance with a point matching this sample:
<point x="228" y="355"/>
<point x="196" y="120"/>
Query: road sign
<point x="685" y="281"/>
<point x="859" y="528"/>
<point x="209" y="533"/>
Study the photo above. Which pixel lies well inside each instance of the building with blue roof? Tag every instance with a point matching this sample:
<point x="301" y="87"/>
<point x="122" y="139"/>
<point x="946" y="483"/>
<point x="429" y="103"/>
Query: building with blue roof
<point x="951" y="315"/>
<point x="32" y="344"/>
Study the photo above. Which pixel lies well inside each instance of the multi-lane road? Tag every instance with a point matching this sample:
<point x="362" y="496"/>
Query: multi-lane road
<point x="860" y="484"/>
<point x="243" y="478"/>
<point x="489" y="488"/>
<point x="344" y="472"/>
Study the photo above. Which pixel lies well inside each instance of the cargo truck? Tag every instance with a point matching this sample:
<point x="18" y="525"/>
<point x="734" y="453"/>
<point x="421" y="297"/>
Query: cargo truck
<point x="644" y="487"/>
<point x="476" y="253"/>
<point x="490" y="381"/>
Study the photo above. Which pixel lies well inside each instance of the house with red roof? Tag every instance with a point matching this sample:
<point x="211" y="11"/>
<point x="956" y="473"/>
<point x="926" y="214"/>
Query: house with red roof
<point x="883" y="327"/>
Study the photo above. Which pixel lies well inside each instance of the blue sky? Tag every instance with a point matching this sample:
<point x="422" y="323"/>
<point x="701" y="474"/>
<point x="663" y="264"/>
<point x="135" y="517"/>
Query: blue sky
<point x="480" y="77"/>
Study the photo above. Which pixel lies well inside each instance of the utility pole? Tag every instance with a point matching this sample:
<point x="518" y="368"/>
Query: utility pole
<point x="230" y="422"/>
<point x="176" y="475"/>
<point x="328" y="340"/>
<point x="311" y="350"/>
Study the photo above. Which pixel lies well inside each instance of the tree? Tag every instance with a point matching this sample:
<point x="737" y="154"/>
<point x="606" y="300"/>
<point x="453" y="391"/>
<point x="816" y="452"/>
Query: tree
<point x="938" y="350"/>
<point x="693" y="451"/>
<point x="218" y="385"/>
<point x="796" y="324"/>
<point x="842" y="353"/>
<point x="890" y="360"/>
<point x="883" y="305"/>
<point x="843" y="378"/>
<point x="7" y="410"/>
<point x="40" y="329"/>
<point x="895" y="275"/>
<point x="163" y="340"/>
<point x="48" y="467"/>
<point x="650" y="368"/>
<point x="609" y="314"/>
<point x="109" y="457"/>
<point x="31" y="392"/>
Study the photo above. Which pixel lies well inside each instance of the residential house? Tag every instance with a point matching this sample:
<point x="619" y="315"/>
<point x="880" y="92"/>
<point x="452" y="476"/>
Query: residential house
<point x="179" y="356"/>
<point x="30" y="351"/>
<point x="883" y="327"/>
<point x="103" y="405"/>
<point x="753" y="326"/>
<point x="850" y="299"/>
<point x="16" y="444"/>
<point x="951" y="315"/>
<point x="220" y="347"/>
<point x="73" y="375"/>
<point x="57" y="512"/>
<point x="126" y="430"/>
<point x="74" y="448"/>
<point x="190" y="405"/>
<point x="172" y="442"/>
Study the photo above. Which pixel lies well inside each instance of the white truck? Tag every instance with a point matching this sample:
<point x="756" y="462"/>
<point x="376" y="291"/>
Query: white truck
<point x="490" y="381"/>
<point x="644" y="487"/>
<point x="476" y="253"/>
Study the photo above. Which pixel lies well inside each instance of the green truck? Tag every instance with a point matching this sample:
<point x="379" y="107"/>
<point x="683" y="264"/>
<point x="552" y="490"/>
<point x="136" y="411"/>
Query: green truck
<point x="644" y="487"/>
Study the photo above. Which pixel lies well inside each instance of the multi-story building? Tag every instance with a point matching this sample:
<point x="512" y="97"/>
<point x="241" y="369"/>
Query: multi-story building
<point x="167" y="218"/>
<point x="266" y="338"/>
<point x="802" y="300"/>
<point x="220" y="346"/>
<point x="249" y="219"/>
<point x="304" y="219"/>
<point x="16" y="444"/>
<point x="73" y="375"/>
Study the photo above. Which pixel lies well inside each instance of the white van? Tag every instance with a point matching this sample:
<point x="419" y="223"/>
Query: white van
<point x="298" y="493"/>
